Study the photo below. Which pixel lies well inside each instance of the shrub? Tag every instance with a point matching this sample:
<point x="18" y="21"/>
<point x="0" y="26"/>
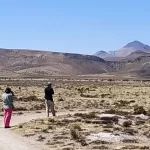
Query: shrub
<point x="139" y="110"/>
<point x="127" y="123"/>
<point x="90" y="115"/>
<point x="74" y="134"/>
<point x="89" y="96"/>
<point x="75" y="126"/>
<point x="74" y="131"/>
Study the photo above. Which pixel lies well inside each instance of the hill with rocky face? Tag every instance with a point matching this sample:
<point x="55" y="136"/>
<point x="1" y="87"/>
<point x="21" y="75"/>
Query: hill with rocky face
<point x="136" y="55"/>
<point x="139" y="66"/>
<point x="43" y="63"/>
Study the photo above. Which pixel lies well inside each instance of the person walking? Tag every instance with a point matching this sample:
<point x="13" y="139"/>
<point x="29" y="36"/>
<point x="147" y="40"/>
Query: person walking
<point x="49" y="99"/>
<point x="7" y="98"/>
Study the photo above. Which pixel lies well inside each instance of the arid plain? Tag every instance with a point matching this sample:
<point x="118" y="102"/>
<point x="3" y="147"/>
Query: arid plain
<point x="91" y="114"/>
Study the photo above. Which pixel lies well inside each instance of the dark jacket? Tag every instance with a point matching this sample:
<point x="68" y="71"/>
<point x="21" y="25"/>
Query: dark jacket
<point x="49" y="93"/>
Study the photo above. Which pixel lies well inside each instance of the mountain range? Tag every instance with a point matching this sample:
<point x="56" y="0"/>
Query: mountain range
<point x="133" y="60"/>
<point x="124" y="51"/>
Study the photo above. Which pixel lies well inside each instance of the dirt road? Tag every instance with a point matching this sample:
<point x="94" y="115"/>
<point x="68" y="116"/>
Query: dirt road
<point x="11" y="141"/>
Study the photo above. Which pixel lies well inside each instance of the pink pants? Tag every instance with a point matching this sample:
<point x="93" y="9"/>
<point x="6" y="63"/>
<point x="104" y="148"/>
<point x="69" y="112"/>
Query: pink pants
<point x="7" y="116"/>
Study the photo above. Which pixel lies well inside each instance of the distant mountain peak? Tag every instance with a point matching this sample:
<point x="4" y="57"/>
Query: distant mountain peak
<point x="137" y="45"/>
<point x="102" y="54"/>
<point x="124" y="51"/>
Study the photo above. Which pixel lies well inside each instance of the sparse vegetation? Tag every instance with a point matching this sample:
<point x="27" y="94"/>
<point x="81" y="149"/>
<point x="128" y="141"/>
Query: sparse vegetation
<point x="93" y="108"/>
<point x="139" y="110"/>
<point x="90" y="115"/>
<point x="74" y="133"/>
<point x="127" y="123"/>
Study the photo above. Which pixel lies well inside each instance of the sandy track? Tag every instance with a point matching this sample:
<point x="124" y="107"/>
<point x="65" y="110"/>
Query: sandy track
<point x="11" y="141"/>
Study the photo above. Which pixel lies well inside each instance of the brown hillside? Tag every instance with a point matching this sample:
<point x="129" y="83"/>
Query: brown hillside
<point x="43" y="63"/>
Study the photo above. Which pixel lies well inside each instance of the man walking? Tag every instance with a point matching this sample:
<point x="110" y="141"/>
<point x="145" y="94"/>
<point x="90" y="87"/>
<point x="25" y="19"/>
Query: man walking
<point x="49" y="99"/>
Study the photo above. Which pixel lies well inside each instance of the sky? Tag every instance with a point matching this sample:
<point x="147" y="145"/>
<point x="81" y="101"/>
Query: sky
<point x="74" y="26"/>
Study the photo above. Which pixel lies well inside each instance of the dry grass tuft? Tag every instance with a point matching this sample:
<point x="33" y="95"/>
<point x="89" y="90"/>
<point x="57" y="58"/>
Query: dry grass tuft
<point x="130" y="131"/>
<point x="76" y="126"/>
<point x="29" y="98"/>
<point x="117" y="112"/>
<point x="90" y="115"/>
<point x="41" y="138"/>
<point x="139" y="110"/>
<point x="20" y="126"/>
<point x="74" y="134"/>
<point x="89" y="96"/>
<point x="67" y="148"/>
<point x="130" y="141"/>
<point x="127" y="124"/>
<point x="105" y="95"/>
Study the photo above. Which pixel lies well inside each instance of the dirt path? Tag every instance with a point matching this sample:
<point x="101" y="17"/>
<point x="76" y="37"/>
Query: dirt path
<point x="10" y="141"/>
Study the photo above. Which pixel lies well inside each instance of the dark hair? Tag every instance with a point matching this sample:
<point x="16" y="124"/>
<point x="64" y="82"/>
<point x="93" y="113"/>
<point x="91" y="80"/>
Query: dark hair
<point x="8" y="90"/>
<point x="49" y="84"/>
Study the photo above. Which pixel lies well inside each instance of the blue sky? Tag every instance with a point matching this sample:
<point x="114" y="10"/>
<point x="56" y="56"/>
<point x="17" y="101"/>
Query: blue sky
<point x="75" y="26"/>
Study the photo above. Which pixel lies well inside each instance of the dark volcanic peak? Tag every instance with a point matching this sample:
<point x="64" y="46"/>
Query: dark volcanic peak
<point x="137" y="45"/>
<point x="102" y="54"/>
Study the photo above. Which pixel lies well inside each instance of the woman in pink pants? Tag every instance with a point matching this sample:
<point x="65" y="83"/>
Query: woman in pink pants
<point x="7" y="98"/>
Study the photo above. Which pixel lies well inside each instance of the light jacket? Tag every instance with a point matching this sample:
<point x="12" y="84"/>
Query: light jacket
<point x="7" y="100"/>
